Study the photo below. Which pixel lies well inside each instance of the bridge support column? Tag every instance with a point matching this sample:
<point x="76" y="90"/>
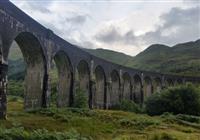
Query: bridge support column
<point x="132" y="92"/>
<point x="3" y="90"/>
<point x="107" y="97"/>
<point x="46" y="91"/>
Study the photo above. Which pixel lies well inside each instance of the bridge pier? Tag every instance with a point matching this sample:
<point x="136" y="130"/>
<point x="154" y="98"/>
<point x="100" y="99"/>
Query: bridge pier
<point x="3" y="90"/>
<point x="108" y="96"/>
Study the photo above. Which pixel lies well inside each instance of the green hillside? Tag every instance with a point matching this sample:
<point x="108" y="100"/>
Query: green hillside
<point x="181" y="59"/>
<point x="16" y="63"/>
<point x="115" y="57"/>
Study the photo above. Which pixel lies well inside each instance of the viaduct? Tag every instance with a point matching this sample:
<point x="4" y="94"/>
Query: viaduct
<point x="104" y="83"/>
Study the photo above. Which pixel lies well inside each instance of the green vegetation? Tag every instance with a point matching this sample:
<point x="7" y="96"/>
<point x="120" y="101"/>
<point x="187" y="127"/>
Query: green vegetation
<point x="115" y="57"/>
<point x="19" y="133"/>
<point x="16" y="88"/>
<point x="130" y="106"/>
<point x="54" y="83"/>
<point x="181" y="59"/>
<point x="184" y="99"/>
<point x="74" y="123"/>
<point x="80" y="99"/>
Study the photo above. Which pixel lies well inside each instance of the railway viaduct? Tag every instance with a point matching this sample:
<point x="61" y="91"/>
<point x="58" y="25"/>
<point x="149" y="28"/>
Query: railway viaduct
<point x="104" y="83"/>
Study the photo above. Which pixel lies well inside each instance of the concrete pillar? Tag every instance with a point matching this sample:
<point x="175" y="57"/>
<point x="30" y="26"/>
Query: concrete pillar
<point x="3" y="83"/>
<point x="49" y="46"/>
<point x="108" y="93"/>
<point x="91" y="84"/>
<point x="3" y="90"/>
<point x="132" y="92"/>
<point x="163" y="84"/>
<point x="75" y="85"/>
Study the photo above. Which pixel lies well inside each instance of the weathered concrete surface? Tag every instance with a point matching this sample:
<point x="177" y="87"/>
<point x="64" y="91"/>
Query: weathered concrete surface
<point x="157" y="85"/>
<point x="35" y="71"/>
<point x="3" y="88"/>
<point x="115" y="88"/>
<point x="137" y="89"/>
<point x="84" y="80"/>
<point x="64" y="79"/>
<point x="99" y="93"/>
<point x="148" y="89"/>
<point x="126" y="87"/>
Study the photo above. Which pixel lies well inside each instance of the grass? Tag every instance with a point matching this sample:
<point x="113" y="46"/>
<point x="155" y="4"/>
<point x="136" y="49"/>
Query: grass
<point x="102" y="124"/>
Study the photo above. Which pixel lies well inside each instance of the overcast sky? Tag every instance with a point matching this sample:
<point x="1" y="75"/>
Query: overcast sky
<point x="127" y="26"/>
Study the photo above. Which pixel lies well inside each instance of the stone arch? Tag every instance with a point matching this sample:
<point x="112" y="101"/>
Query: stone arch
<point x="84" y="80"/>
<point x="147" y="87"/>
<point x="63" y="64"/>
<point x="35" y="77"/>
<point x="99" y="96"/>
<point x="115" y="88"/>
<point x="157" y="85"/>
<point x="126" y="89"/>
<point x="179" y="81"/>
<point x="169" y="82"/>
<point x="137" y="88"/>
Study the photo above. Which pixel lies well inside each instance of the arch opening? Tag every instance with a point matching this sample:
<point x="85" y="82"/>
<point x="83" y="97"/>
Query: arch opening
<point x="34" y="70"/>
<point x="83" y="85"/>
<point x="147" y="87"/>
<point x="179" y="81"/>
<point x="157" y="85"/>
<point x="61" y="79"/>
<point x="115" y="88"/>
<point x="100" y="91"/>
<point x="169" y="83"/>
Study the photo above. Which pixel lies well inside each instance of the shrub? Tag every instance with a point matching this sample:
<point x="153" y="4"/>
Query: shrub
<point x="14" y="98"/>
<point x="163" y="136"/>
<point x="39" y="134"/>
<point x="138" y="123"/>
<point x="80" y="99"/>
<point x="127" y="105"/>
<point x="183" y="99"/>
<point x="16" y="88"/>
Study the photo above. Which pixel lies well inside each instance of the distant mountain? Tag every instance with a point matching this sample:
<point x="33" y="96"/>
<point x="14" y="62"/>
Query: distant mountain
<point x="183" y="59"/>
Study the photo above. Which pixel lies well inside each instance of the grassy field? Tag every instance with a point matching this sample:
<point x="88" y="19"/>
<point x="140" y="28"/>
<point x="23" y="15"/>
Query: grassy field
<point x="101" y="124"/>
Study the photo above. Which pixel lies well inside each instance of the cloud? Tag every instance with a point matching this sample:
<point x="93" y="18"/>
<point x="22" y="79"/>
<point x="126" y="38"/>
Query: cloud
<point x="77" y="19"/>
<point x="179" y="25"/>
<point x="40" y="6"/>
<point x="175" y="26"/>
<point x="112" y="35"/>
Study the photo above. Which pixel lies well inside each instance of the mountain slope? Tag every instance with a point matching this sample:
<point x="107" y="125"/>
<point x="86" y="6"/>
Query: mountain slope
<point x="115" y="57"/>
<point x="180" y="59"/>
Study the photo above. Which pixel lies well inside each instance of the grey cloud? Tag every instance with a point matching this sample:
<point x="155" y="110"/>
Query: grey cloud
<point x="178" y="25"/>
<point x="77" y="19"/>
<point x="41" y="6"/>
<point x="183" y="24"/>
<point x="112" y="35"/>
